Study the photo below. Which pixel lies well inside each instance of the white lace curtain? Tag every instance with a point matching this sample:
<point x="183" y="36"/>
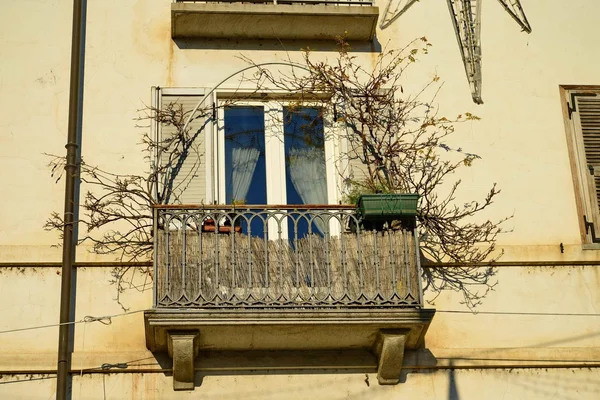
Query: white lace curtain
<point x="307" y="171"/>
<point x="243" y="165"/>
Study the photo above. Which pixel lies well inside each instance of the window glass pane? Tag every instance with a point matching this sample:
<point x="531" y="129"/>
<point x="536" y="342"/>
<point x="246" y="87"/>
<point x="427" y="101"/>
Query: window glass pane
<point x="304" y="143"/>
<point x="245" y="173"/>
<point x="245" y="155"/>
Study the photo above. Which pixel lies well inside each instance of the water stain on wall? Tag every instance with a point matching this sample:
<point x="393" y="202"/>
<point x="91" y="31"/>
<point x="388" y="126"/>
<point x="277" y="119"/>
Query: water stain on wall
<point x="151" y="34"/>
<point x="170" y="61"/>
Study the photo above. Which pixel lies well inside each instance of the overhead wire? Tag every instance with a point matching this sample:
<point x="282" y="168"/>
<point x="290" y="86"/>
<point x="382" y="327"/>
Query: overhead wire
<point x="106" y="320"/>
<point x="542" y="314"/>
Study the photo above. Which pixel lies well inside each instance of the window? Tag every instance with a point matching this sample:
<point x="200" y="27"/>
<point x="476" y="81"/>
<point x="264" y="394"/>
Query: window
<point x="275" y="153"/>
<point x="582" y="121"/>
<point x="252" y="152"/>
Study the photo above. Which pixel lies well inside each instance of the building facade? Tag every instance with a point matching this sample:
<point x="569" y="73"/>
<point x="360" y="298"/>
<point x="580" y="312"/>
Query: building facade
<point x="535" y="336"/>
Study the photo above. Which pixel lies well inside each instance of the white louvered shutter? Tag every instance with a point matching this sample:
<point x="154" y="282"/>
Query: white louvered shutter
<point x="357" y="170"/>
<point x="188" y="181"/>
<point x="586" y="119"/>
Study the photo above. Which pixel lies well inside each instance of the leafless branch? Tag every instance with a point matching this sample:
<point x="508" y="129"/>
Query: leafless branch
<point x="400" y="139"/>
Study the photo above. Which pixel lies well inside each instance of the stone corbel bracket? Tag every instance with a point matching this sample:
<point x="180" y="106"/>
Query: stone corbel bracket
<point x="389" y="348"/>
<point x="183" y="350"/>
<point x="386" y="333"/>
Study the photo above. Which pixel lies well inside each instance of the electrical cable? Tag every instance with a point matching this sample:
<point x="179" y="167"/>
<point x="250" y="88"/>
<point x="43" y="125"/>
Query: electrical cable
<point x="106" y="320"/>
<point x="541" y="314"/>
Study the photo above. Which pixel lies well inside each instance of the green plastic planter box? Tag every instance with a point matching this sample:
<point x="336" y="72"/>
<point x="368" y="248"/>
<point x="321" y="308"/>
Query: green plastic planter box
<point x="386" y="206"/>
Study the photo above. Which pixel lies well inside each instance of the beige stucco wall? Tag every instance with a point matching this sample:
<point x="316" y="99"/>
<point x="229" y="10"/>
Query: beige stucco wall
<point x="32" y="296"/>
<point x="562" y="290"/>
<point x="513" y="338"/>
<point x="520" y="138"/>
<point x="441" y="385"/>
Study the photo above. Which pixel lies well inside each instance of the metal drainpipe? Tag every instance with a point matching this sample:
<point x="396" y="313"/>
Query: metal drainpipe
<point x="71" y="168"/>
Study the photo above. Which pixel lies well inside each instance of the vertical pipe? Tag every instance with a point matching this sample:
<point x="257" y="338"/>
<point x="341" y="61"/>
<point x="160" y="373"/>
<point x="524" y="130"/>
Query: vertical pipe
<point x="71" y="168"/>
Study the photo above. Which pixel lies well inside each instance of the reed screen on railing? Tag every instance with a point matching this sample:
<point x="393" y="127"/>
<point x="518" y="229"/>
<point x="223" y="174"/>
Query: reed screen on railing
<point x="281" y="257"/>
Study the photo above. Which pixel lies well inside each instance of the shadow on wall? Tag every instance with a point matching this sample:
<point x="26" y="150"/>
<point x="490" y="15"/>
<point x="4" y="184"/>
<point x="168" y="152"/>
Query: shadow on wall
<point x="359" y="362"/>
<point x="551" y="384"/>
<point x="452" y="386"/>
<point x="286" y="45"/>
<point x="241" y="363"/>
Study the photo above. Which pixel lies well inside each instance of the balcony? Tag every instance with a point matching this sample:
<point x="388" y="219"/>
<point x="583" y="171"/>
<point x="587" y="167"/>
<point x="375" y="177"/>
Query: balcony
<point x="293" y="278"/>
<point x="274" y="19"/>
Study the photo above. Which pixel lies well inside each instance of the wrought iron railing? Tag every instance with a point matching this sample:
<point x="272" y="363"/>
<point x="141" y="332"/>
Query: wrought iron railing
<point x="281" y="256"/>
<point x="284" y="2"/>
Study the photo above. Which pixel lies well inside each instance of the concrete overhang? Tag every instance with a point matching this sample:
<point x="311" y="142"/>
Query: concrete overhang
<point x="270" y="21"/>
<point x="183" y="333"/>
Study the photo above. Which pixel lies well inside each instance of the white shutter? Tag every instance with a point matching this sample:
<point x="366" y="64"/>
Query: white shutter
<point x="188" y="181"/>
<point x="358" y="170"/>
<point x="586" y="125"/>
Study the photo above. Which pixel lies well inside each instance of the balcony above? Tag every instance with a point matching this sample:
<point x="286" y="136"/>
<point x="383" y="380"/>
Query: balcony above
<point x="283" y="20"/>
<point x="293" y="278"/>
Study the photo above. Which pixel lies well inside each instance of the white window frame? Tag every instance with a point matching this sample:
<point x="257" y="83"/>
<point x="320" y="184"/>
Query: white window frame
<point x="336" y="162"/>
<point x="275" y="161"/>
<point x="275" y="153"/>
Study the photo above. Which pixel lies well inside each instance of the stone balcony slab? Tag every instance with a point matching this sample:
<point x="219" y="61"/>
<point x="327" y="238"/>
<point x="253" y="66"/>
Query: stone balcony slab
<point x="273" y="21"/>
